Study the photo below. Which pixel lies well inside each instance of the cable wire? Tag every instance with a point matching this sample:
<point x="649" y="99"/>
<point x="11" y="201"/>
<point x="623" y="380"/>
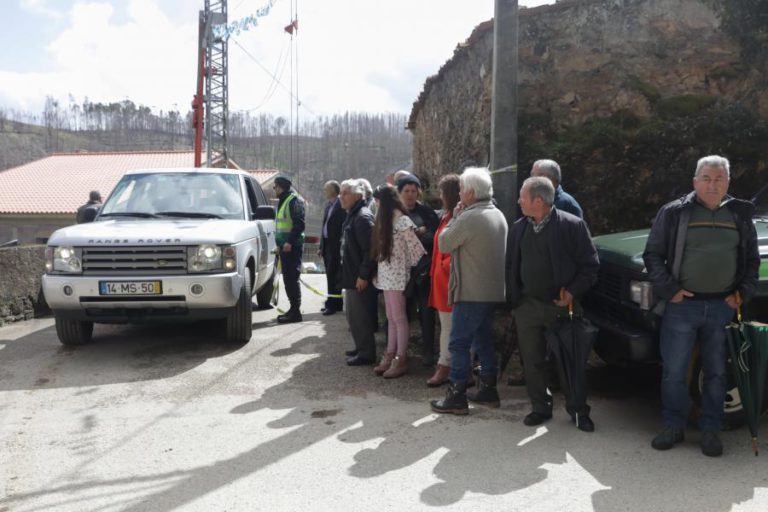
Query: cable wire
<point x="267" y="71"/>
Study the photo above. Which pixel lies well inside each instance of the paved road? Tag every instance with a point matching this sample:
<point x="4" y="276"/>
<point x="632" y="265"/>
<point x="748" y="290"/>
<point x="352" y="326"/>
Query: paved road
<point x="155" y="418"/>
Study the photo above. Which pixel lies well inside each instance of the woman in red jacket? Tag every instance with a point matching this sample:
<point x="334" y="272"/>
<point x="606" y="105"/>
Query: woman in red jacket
<point x="440" y="273"/>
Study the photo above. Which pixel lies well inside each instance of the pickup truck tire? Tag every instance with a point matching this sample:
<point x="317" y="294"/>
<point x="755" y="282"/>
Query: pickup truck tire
<point x="239" y="323"/>
<point x="735" y="416"/>
<point x="264" y="296"/>
<point x="73" y="332"/>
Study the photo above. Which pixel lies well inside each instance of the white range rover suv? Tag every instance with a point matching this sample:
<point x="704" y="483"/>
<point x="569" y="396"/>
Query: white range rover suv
<point x="168" y="244"/>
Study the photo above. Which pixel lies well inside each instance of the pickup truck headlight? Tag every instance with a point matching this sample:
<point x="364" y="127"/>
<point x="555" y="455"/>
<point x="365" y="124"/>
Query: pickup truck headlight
<point x="209" y="258"/>
<point x="63" y="259"/>
<point x="641" y="292"/>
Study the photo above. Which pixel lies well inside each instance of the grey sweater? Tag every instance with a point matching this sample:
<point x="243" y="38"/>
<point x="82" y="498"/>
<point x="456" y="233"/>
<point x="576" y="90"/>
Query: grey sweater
<point x="477" y="241"/>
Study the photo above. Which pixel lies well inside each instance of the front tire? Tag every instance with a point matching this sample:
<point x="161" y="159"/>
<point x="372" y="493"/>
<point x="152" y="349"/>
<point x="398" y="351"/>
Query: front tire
<point x="239" y="323"/>
<point x="73" y="332"/>
<point x="735" y="415"/>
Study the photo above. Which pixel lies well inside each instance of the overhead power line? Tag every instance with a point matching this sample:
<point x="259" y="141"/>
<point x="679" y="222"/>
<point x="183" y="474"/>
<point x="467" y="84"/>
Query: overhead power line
<point x="267" y="71"/>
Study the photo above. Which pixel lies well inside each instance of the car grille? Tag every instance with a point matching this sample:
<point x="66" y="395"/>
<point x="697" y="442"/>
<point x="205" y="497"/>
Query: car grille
<point x="610" y="284"/>
<point x="120" y="261"/>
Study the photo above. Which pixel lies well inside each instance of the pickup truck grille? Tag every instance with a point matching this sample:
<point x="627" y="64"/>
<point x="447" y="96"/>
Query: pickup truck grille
<point x="610" y="284"/>
<point x="134" y="260"/>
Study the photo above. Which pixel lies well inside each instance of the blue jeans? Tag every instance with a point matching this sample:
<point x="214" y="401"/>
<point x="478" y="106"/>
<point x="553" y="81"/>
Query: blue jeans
<point x="684" y="323"/>
<point x="471" y="322"/>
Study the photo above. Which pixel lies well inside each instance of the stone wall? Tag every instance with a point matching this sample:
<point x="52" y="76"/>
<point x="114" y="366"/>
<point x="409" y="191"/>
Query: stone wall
<point x="21" y="269"/>
<point x="32" y="228"/>
<point x="625" y="94"/>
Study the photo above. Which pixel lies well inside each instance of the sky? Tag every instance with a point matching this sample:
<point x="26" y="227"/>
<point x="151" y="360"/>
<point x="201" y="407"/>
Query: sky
<point x="352" y="55"/>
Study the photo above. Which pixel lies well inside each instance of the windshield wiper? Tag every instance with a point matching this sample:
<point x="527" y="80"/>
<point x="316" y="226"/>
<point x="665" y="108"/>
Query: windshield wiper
<point x="191" y="215"/>
<point x="143" y="215"/>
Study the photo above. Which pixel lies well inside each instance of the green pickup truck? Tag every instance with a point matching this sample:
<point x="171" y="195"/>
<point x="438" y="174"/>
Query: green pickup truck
<point x="621" y="305"/>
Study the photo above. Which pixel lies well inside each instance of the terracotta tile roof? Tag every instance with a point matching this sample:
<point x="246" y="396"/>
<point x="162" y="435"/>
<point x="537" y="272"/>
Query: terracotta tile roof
<point x="262" y="175"/>
<point x="60" y="183"/>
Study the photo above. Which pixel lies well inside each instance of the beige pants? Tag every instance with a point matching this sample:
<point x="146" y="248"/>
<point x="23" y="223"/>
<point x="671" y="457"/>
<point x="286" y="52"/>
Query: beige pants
<point x="445" y="336"/>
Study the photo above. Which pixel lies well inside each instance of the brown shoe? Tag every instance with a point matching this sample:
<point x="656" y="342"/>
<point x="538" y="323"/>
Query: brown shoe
<point x="440" y="377"/>
<point x="398" y="368"/>
<point x="386" y="362"/>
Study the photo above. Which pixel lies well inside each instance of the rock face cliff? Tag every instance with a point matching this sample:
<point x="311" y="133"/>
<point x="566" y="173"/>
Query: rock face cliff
<point x="625" y="94"/>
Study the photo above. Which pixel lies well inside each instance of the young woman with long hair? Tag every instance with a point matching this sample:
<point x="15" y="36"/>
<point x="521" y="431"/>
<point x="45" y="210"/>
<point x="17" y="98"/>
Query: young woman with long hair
<point x="396" y="248"/>
<point x="440" y="274"/>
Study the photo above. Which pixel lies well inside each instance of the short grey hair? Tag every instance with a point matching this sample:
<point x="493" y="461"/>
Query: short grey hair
<point x="333" y="184"/>
<point x="477" y="179"/>
<point x="550" y="169"/>
<point x="714" y="161"/>
<point x="539" y="186"/>
<point x="367" y="186"/>
<point x="354" y="186"/>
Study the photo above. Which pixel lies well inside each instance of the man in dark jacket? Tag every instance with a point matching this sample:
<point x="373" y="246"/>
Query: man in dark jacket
<point x="702" y="259"/>
<point x="357" y="271"/>
<point x="89" y="210"/>
<point x="426" y="220"/>
<point x="563" y="200"/>
<point x="552" y="265"/>
<point x="289" y="235"/>
<point x="330" y="246"/>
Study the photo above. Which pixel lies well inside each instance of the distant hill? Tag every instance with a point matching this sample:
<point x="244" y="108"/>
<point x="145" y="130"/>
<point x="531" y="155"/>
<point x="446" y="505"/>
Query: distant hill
<point x="351" y="145"/>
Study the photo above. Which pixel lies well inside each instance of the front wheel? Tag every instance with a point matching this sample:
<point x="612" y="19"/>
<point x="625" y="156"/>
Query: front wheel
<point x="73" y="332"/>
<point x="735" y="415"/>
<point x="239" y="324"/>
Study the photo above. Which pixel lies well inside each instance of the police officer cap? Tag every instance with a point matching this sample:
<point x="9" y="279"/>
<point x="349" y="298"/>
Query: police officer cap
<point x="284" y="181"/>
<point x="408" y="180"/>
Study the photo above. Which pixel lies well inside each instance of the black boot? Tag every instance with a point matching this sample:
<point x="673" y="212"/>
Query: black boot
<point x="455" y="401"/>
<point x="291" y="316"/>
<point x="486" y="393"/>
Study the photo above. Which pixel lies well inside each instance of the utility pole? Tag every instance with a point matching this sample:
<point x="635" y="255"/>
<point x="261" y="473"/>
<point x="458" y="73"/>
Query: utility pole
<point x="504" y="108"/>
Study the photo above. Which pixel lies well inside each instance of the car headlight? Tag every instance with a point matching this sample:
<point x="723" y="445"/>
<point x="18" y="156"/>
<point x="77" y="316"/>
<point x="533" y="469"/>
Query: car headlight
<point x="63" y="259"/>
<point x="641" y="293"/>
<point x="209" y="257"/>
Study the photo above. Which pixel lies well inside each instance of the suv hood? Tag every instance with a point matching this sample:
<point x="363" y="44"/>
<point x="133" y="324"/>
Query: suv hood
<point x="623" y="249"/>
<point x="155" y="232"/>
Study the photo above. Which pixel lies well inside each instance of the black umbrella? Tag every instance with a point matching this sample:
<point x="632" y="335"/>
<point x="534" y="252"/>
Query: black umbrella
<point x="570" y="339"/>
<point x="748" y="348"/>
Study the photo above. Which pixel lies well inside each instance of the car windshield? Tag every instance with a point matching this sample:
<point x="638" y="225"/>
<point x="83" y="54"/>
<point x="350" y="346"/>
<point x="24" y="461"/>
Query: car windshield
<point x="176" y="195"/>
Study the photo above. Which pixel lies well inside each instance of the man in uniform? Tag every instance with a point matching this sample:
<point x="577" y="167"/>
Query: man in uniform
<point x="290" y="242"/>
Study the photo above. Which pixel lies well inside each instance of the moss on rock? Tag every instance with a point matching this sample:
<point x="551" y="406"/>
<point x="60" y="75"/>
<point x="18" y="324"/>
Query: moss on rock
<point x="646" y="162"/>
<point x="685" y="105"/>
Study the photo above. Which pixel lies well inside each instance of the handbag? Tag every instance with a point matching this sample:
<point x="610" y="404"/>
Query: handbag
<point x="418" y="277"/>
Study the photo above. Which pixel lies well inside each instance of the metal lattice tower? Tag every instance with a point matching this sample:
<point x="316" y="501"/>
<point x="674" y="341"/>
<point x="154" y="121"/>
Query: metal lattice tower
<point x="215" y="70"/>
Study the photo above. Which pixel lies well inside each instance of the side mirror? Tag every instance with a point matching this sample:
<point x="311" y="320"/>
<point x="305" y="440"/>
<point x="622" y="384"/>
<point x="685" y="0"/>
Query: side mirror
<point x="263" y="213"/>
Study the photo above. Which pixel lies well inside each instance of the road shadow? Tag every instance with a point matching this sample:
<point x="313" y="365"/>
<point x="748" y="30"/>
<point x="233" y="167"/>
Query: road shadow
<point x="486" y="453"/>
<point x="118" y="354"/>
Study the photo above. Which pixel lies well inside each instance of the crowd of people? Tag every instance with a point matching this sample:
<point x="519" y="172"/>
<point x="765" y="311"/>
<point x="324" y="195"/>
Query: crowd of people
<point x="457" y="267"/>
